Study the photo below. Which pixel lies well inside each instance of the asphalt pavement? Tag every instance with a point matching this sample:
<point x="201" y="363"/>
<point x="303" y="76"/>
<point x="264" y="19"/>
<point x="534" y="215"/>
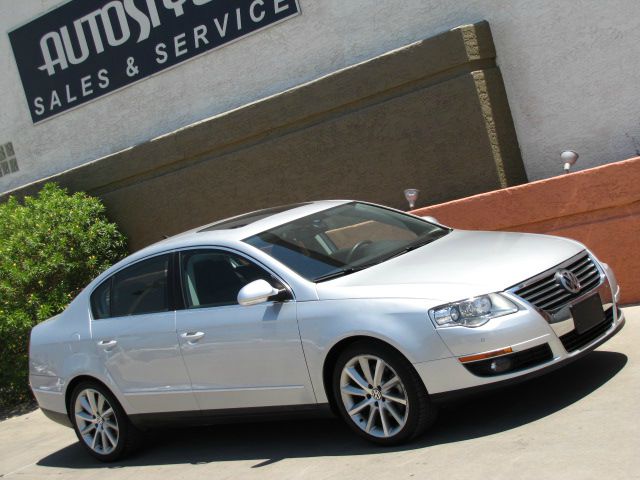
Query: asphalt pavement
<point x="579" y="422"/>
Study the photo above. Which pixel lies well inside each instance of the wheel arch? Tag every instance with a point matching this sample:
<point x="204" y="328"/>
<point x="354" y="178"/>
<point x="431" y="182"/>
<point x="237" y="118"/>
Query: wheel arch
<point x="74" y="382"/>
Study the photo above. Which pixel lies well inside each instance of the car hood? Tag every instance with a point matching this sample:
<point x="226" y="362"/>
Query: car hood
<point x="460" y="265"/>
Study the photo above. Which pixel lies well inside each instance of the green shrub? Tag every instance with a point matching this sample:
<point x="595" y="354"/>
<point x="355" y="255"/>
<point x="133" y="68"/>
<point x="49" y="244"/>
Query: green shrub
<point x="51" y="246"/>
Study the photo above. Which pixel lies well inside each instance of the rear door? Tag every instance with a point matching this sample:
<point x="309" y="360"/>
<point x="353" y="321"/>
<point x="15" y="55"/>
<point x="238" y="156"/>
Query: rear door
<point x="238" y="356"/>
<point x="134" y="331"/>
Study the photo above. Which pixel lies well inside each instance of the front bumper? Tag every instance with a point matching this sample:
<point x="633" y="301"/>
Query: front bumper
<point x="526" y="331"/>
<point x="498" y="382"/>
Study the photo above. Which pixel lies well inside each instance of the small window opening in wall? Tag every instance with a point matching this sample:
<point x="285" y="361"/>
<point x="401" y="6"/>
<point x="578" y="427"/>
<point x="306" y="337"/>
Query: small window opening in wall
<point x="8" y="162"/>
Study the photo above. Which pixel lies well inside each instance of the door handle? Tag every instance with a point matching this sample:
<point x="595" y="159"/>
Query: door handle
<point x="107" y="344"/>
<point x="192" y="337"/>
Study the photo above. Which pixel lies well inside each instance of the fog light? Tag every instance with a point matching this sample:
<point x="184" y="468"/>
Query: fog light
<point x="500" y="365"/>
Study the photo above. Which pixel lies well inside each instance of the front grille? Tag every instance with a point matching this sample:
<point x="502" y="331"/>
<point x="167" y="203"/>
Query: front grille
<point x="546" y="294"/>
<point x="518" y="361"/>
<point x="574" y="341"/>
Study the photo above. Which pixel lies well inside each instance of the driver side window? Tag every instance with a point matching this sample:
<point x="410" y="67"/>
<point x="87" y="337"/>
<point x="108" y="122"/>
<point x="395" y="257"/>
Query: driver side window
<point x="213" y="278"/>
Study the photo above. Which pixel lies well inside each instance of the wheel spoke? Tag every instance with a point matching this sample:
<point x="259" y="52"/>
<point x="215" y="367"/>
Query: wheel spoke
<point x="112" y="426"/>
<point x="107" y="413"/>
<point x="366" y="369"/>
<point x="393" y="398"/>
<point x="359" y="406"/>
<point x="85" y="404"/>
<point x="384" y="421"/>
<point x="356" y="377"/>
<point x="103" y="439"/>
<point x="377" y="376"/>
<point x="351" y="390"/>
<point x="85" y="417"/>
<point x="100" y="404"/>
<point x="372" y="416"/>
<point x="390" y="383"/>
<point x="95" y="439"/>
<point x="111" y="438"/>
<point x="87" y="429"/>
<point x="92" y="402"/>
<point x="394" y="413"/>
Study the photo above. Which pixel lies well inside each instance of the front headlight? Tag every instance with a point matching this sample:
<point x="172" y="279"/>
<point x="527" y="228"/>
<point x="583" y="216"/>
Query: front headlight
<point x="472" y="312"/>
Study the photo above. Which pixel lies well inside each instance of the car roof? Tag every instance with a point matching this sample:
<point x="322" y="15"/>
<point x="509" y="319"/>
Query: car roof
<point x="205" y="236"/>
<point x="235" y="229"/>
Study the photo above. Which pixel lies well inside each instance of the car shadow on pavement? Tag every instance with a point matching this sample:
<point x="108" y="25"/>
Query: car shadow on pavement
<point x="269" y="442"/>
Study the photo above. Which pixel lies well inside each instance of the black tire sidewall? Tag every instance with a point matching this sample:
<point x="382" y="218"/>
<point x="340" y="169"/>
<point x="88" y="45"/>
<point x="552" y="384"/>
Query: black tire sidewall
<point x="417" y="395"/>
<point x="121" y="418"/>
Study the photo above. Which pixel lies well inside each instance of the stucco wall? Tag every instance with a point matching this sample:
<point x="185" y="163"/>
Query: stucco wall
<point x="599" y="207"/>
<point x="569" y="69"/>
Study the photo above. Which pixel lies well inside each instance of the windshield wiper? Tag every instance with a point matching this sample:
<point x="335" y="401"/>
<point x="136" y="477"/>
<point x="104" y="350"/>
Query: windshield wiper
<point x="343" y="271"/>
<point x="334" y="274"/>
<point x="408" y="248"/>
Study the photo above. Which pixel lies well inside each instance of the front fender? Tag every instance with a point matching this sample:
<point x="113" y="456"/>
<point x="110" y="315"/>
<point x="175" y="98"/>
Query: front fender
<point x="401" y="323"/>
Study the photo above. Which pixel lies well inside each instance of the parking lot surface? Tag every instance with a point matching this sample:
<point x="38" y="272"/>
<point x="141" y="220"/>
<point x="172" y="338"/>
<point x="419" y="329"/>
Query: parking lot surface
<point x="579" y="422"/>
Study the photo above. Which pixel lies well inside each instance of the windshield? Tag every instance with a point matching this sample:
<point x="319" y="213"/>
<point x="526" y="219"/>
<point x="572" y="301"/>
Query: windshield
<point x="344" y="239"/>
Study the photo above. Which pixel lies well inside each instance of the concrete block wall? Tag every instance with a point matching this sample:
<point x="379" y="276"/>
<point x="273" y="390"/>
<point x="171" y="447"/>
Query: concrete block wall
<point x="432" y="115"/>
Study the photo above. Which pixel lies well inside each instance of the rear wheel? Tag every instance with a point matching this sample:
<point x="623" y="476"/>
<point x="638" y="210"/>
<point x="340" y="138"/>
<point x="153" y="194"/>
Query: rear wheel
<point x="380" y="395"/>
<point x="100" y="423"/>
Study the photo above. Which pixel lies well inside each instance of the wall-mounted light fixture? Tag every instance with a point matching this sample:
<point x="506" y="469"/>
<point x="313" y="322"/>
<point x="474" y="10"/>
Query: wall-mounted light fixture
<point x="411" y="194"/>
<point x="569" y="157"/>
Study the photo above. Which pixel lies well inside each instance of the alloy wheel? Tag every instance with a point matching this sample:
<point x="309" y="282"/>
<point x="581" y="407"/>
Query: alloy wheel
<point x="374" y="396"/>
<point x="96" y="421"/>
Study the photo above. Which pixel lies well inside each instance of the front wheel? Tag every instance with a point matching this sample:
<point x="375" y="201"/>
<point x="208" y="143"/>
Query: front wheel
<point x="380" y="395"/>
<point x="100" y="423"/>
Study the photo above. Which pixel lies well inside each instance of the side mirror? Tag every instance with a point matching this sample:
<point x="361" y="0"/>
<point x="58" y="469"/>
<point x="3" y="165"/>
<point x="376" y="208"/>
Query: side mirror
<point x="256" y="292"/>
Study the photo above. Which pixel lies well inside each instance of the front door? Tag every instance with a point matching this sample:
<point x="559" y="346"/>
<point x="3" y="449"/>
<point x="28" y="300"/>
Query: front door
<point x="238" y="356"/>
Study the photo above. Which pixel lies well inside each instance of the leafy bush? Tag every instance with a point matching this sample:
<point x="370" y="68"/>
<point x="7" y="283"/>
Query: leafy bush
<point x="51" y="246"/>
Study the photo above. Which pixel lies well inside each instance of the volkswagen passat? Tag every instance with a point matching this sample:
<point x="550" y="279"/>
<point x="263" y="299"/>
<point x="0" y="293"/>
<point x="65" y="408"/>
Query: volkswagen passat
<point x="370" y="311"/>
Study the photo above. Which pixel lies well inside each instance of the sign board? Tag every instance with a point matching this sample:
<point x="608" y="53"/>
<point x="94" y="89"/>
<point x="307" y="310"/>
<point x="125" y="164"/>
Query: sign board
<point x="87" y="48"/>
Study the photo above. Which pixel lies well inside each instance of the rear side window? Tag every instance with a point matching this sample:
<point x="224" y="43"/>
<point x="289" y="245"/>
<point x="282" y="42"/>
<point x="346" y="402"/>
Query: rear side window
<point x="139" y="289"/>
<point x="101" y="301"/>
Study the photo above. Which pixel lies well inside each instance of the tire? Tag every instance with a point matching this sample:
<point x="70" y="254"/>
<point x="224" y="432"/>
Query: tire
<point x="108" y="433"/>
<point x="393" y="414"/>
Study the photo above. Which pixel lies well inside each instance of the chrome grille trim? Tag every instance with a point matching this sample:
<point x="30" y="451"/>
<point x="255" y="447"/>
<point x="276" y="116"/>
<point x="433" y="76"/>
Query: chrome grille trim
<point x="543" y="292"/>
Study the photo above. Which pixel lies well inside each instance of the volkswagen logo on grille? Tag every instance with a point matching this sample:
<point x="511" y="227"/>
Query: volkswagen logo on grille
<point x="568" y="280"/>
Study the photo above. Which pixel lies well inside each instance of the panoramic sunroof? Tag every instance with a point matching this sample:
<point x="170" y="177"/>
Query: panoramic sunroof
<point x="248" y="218"/>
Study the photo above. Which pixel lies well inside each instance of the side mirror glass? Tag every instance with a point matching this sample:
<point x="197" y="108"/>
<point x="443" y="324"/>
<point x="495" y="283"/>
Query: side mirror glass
<point x="258" y="291"/>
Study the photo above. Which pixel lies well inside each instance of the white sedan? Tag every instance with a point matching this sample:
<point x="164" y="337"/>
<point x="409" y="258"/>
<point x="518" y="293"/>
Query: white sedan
<point x="370" y="312"/>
